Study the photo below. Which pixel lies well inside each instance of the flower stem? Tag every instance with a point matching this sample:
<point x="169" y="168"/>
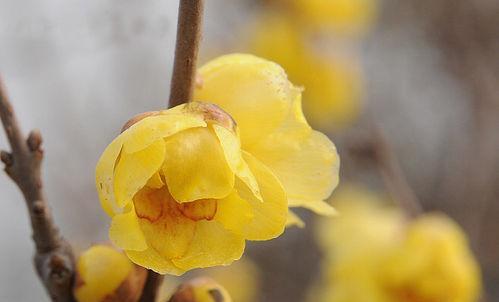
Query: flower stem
<point x="190" y="19"/>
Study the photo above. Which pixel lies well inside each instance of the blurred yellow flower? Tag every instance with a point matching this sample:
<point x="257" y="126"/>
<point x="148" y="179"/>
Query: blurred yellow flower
<point x="104" y="274"/>
<point x="434" y="263"/>
<point x="346" y="17"/>
<point x="185" y="187"/>
<point x="332" y="86"/>
<point x="374" y="254"/>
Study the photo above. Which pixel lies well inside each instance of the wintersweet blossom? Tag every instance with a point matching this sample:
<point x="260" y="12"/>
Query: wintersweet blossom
<point x="104" y="274"/>
<point x="186" y="187"/>
<point x="374" y="254"/>
<point x="333" y="85"/>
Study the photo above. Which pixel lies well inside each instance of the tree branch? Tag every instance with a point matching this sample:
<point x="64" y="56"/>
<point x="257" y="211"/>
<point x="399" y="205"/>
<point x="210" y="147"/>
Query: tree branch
<point x="377" y="150"/>
<point x="54" y="260"/>
<point x="190" y="19"/>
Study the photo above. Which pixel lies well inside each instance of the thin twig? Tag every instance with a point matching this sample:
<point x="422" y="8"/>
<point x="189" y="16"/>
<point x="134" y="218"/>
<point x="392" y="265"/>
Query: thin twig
<point x="393" y="175"/>
<point x="54" y="260"/>
<point x="377" y="151"/>
<point x="190" y="19"/>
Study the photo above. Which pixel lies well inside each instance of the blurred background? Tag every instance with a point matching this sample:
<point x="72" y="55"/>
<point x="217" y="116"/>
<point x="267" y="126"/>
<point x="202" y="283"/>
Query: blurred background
<point x="422" y="74"/>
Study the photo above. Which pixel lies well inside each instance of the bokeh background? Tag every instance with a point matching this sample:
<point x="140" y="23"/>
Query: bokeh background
<point x="425" y="72"/>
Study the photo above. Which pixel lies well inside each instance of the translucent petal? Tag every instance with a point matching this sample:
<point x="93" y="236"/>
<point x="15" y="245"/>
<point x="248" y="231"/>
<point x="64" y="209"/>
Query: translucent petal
<point x="152" y="260"/>
<point x="232" y="150"/>
<point x="212" y="245"/>
<point x="270" y="215"/>
<point x="104" y="176"/>
<point x="234" y="213"/>
<point x="305" y="161"/>
<point x="125" y="232"/>
<point x="152" y="128"/>
<point x="294" y="220"/>
<point x="196" y="167"/>
<point x="135" y="169"/>
<point x="254" y="91"/>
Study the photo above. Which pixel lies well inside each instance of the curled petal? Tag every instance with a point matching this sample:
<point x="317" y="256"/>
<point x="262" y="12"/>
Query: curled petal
<point x="152" y="128"/>
<point x="104" y="176"/>
<point x="234" y="213"/>
<point x="152" y="260"/>
<point x="232" y="150"/>
<point x="304" y="160"/>
<point x="135" y="169"/>
<point x="212" y="245"/>
<point x="294" y="220"/>
<point x="254" y="91"/>
<point x="196" y="167"/>
<point x="125" y="231"/>
<point x="270" y="215"/>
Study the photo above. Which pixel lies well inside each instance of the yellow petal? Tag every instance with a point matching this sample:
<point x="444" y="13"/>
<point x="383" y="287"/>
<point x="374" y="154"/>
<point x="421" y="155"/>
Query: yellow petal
<point x="305" y="161"/>
<point x="234" y="213"/>
<point x="152" y="128"/>
<point x="254" y="91"/>
<point x="196" y="167"/>
<point x="101" y="270"/>
<point x="125" y="231"/>
<point x="270" y="215"/>
<point x="294" y="220"/>
<point x="165" y="227"/>
<point x="232" y="150"/>
<point x="319" y="207"/>
<point x="155" y="181"/>
<point x="135" y="169"/>
<point x="212" y="245"/>
<point x="154" y="261"/>
<point x="104" y="176"/>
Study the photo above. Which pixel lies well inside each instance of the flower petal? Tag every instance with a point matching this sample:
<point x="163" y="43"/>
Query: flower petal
<point x="104" y="176"/>
<point x="305" y="161"/>
<point x="152" y="260"/>
<point x="232" y="150"/>
<point x="212" y="245"/>
<point x="152" y="128"/>
<point x="234" y="213"/>
<point x="294" y="220"/>
<point x="196" y="167"/>
<point x="135" y="169"/>
<point x="270" y="215"/>
<point x="165" y="228"/>
<point x="255" y="92"/>
<point x="125" y="232"/>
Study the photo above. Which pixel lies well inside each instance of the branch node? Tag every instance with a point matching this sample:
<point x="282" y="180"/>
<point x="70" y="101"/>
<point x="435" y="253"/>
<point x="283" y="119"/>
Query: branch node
<point x="6" y="158"/>
<point x="34" y="140"/>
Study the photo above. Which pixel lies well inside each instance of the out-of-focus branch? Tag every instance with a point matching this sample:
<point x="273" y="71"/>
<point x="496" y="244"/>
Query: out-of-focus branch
<point x="54" y="260"/>
<point x="190" y="19"/>
<point x="377" y="150"/>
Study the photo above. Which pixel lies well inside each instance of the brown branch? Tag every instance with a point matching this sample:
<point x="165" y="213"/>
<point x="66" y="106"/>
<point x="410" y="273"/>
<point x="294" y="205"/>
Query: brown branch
<point x="377" y="150"/>
<point x="190" y="19"/>
<point x="53" y="259"/>
<point x="153" y="283"/>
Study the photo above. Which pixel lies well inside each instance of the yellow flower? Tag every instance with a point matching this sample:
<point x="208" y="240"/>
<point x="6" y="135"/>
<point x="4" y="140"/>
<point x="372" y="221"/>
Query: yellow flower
<point x="374" y="254"/>
<point x="104" y="274"/>
<point x="186" y="187"/>
<point x="433" y="264"/>
<point x="332" y="86"/>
